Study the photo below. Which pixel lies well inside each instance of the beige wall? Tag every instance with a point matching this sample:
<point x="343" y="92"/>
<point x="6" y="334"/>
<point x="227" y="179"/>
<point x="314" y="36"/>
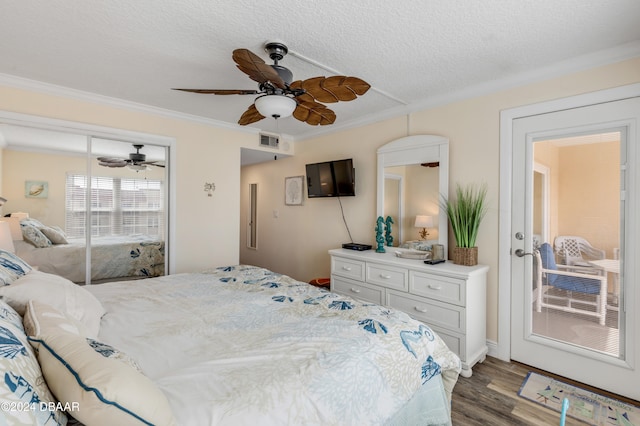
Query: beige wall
<point x="584" y="191"/>
<point x="589" y="186"/>
<point x="296" y="242"/>
<point x="206" y="227"/>
<point x="20" y="166"/>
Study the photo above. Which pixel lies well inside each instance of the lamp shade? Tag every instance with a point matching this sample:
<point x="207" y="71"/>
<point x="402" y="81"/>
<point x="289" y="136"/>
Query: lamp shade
<point x="424" y="221"/>
<point x="276" y="106"/>
<point x="14" y="227"/>
<point x="6" y="242"/>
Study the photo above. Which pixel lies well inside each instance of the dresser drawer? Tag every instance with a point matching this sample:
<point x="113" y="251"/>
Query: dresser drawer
<point x="357" y="290"/>
<point x="387" y="276"/>
<point x="347" y="268"/>
<point x="429" y="311"/>
<point x="445" y="289"/>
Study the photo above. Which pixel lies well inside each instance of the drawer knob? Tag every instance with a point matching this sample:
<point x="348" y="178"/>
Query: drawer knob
<point x="355" y="290"/>
<point x="419" y="309"/>
<point x="386" y="277"/>
<point x="346" y="268"/>
<point x="435" y="287"/>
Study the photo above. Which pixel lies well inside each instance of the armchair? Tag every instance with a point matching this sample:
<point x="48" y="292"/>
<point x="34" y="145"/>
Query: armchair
<point x="550" y="276"/>
<point x="572" y="250"/>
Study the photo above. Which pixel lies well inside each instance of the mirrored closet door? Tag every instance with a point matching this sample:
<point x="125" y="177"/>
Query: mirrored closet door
<point x="79" y="191"/>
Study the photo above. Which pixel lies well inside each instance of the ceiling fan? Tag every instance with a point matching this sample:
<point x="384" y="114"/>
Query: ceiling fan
<point x="280" y="97"/>
<point x="136" y="161"/>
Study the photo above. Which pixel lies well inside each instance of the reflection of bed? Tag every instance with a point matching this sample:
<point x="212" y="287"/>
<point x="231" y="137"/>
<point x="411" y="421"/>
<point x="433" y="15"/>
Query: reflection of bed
<point x="242" y="345"/>
<point x="111" y="257"/>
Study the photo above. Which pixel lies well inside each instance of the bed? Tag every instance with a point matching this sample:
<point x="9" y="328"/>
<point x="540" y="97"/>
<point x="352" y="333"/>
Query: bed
<point x="237" y="345"/>
<point x="112" y="257"/>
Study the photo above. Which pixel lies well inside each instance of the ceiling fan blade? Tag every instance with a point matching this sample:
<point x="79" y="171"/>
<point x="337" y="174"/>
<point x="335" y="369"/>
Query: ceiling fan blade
<point x="112" y="163"/>
<point x="251" y="115"/>
<point x="158" y="163"/>
<point x="111" y="159"/>
<point x="221" y="91"/>
<point x="334" y="88"/>
<point x="259" y="71"/>
<point x="314" y="113"/>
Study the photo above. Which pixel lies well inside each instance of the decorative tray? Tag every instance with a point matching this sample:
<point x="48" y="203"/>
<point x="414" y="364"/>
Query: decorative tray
<point x="413" y="254"/>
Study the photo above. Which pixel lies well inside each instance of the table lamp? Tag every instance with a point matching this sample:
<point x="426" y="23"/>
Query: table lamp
<point x="423" y="222"/>
<point x="6" y="242"/>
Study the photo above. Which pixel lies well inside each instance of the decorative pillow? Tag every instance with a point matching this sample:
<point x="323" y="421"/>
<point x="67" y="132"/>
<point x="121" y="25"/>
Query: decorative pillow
<point x="41" y="318"/>
<point x="22" y="382"/>
<point x="106" y="390"/>
<point x="6" y="277"/>
<point x="11" y="267"/>
<point x="49" y="318"/>
<point x="34" y="236"/>
<point x="14" y="263"/>
<point x="32" y="222"/>
<point x="74" y="300"/>
<point x="55" y="235"/>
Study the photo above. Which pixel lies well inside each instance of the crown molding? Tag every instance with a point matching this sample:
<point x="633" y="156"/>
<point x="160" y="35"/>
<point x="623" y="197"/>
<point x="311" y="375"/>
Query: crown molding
<point x="559" y="69"/>
<point x="577" y="64"/>
<point x="67" y="92"/>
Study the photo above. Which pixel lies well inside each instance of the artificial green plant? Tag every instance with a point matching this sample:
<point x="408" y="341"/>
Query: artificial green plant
<point x="466" y="212"/>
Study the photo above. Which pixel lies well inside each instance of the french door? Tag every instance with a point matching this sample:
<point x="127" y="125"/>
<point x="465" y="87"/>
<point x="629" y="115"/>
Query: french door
<point x="590" y="189"/>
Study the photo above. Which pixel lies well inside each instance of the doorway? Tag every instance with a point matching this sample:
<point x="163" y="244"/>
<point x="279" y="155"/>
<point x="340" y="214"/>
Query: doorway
<point x="545" y="329"/>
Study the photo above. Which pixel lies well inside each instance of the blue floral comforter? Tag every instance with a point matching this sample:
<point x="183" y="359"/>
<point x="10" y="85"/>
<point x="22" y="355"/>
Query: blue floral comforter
<point x="243" y="345"/>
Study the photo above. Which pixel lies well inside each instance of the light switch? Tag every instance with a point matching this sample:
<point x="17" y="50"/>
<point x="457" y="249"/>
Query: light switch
<point x="276" y="214"/>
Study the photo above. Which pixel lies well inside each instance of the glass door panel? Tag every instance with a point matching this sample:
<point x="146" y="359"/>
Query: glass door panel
<point x="127" y="209"/>
<point x="583" y="242"/>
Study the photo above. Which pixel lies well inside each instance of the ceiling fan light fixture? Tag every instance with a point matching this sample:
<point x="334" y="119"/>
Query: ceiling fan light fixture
<point x="138" y="167"/>
<point x="276" y="106"/>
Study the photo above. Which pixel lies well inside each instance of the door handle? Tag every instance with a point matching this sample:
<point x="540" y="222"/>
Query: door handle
<point x="521" y="253"/>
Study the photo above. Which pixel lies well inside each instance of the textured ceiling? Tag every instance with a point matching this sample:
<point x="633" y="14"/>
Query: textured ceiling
<point x="411" y="52"/>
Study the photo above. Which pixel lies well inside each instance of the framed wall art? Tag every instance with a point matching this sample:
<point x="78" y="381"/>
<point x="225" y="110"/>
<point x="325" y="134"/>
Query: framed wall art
<point x="36" y="189"/>
<point x="293" y="190"/>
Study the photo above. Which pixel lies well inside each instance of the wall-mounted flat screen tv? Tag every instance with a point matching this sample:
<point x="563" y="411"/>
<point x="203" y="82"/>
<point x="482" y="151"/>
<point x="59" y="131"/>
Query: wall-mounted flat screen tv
<point x="331" y="179"/>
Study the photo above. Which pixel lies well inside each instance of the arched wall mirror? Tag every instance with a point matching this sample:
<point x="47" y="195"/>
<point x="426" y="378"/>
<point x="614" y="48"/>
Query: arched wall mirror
<point x="413" y="173"/>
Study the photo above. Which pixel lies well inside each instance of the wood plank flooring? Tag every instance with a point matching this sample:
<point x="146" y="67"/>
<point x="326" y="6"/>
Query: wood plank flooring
<point x="490" y="397"/>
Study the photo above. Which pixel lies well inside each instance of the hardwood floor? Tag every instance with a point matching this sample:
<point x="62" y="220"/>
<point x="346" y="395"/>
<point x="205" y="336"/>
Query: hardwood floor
<point x="490" y="397"/>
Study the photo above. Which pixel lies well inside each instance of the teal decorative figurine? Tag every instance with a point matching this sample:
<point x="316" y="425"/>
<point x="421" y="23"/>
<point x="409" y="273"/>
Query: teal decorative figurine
<point x="387" y="233"/>
<point x="379" y="236"/>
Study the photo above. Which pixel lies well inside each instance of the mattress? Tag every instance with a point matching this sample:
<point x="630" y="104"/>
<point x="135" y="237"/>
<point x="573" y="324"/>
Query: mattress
<point x="240" y="345"/>
<point x="112" y="257"/>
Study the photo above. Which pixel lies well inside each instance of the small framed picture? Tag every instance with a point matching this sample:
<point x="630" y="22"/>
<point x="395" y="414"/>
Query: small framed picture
<point x="36" y="189"/>
<point x="293" y="190"/>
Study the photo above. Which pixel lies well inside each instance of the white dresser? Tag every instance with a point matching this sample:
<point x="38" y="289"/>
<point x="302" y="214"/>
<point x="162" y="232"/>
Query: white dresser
<point x="450" y="298"/>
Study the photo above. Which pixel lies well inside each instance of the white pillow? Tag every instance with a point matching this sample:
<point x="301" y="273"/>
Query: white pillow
<point x="106" y="391"/>
<point x="74" y="300"/>
<point x="55" y="235"/>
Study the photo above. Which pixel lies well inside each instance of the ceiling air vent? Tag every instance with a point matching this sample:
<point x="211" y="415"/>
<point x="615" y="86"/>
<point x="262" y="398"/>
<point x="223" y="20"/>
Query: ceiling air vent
<point x="269" y="140"/>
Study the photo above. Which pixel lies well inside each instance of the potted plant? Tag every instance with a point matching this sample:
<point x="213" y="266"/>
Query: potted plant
<point x="465" y="214"/>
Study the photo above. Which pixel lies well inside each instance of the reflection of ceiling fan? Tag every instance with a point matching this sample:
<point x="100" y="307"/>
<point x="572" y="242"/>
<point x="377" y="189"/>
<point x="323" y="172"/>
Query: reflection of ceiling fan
<point x="136" y="161"/>
<point x="280" y="97"/>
